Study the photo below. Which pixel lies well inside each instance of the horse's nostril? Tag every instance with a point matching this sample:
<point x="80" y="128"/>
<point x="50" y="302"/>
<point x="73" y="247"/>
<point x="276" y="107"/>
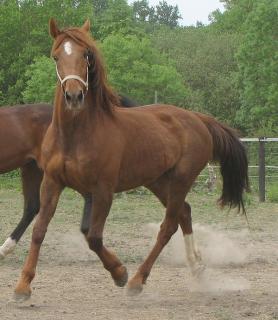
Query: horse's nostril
<point x="67" y="96"/>
<point x="80" y="96"/>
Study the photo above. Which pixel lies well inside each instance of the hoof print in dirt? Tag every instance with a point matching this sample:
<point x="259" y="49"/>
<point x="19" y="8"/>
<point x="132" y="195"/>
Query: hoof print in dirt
<point x="21" y="297"/>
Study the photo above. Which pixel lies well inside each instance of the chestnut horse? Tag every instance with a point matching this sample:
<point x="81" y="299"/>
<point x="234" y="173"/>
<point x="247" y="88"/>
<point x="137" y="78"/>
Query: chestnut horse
<point x="94" y="147"/>
<point x="22" y="129"/>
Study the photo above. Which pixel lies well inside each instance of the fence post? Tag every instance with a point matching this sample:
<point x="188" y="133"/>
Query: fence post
<point x="155" y="97"/>
<point x="262" y="169"/>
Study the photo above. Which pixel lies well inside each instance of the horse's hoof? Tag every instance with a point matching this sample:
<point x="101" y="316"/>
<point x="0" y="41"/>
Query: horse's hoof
<point x="122" y="280"/>
<point x="133" y="289"/>
<point x="22" y="296"/>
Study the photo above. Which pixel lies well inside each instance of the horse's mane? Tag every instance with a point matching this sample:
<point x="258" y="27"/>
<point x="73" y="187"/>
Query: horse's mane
<point x="104" y="96"/>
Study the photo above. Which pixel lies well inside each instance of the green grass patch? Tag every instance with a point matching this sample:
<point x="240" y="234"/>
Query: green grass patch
<point x="272" y="193"/>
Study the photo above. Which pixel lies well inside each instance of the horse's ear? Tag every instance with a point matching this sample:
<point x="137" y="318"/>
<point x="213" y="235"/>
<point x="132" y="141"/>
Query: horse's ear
<point x="86" y="26"/>
<point x="53" y="28"/>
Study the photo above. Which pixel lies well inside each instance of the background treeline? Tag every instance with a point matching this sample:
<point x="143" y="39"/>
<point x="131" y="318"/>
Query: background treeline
<point x="228" y="69"/>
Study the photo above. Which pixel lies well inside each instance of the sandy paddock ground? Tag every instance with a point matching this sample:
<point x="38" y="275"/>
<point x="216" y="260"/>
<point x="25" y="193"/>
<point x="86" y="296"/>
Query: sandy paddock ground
<point x="240" y="281"/>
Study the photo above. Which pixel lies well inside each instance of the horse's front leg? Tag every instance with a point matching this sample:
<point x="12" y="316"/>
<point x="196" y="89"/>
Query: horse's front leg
<point x="102" y="201"/>
<point x="50" y="192"/>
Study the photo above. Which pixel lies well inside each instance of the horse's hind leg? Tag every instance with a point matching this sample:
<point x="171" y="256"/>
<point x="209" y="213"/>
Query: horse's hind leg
<point x="192" y="252"/>
<point x="172" y="194"/>
<point x="161" y="189"/>
<point x="31" y="177"/>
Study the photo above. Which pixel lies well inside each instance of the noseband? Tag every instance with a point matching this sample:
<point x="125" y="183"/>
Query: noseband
<point x="75" y="77"/>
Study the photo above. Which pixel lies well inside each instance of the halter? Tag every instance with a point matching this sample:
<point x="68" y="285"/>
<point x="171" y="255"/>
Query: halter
<point x="75" y="77"/>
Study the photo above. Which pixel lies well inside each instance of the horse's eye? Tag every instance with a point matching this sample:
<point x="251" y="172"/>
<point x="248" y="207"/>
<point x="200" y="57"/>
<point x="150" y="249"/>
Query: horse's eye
<point x="88" y="54"/>
<point x="55" y="58"/>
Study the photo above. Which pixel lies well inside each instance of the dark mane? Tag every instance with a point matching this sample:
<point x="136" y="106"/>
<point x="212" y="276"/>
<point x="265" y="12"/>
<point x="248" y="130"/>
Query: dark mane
<point x="103" y="95"/>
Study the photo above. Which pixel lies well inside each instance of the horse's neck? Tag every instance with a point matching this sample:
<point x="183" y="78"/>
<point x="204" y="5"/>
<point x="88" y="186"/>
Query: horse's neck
<point x="68" y="124"/>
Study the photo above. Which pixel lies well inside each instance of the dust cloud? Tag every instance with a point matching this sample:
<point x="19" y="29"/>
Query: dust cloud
<point x="220" y="250"/>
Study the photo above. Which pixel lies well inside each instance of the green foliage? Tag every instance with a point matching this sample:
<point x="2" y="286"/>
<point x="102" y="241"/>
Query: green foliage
<point x="207" y="64"/>
<point x="137" y="69"/>
<point x="272" y="193"/>
<point x="258" y="68"/>
<point x="41" y="81"/>
<point x="228" y="69"/>
<point x="161" y="14"/>
<point x="24" y="26"/>
<point x="233" y="19"/>
<point x="115" y="16"/>
<point x="167" y="14"/>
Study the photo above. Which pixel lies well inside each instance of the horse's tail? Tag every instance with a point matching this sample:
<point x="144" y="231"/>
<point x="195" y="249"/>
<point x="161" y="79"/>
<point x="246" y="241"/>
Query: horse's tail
<point x="229" y="151"/>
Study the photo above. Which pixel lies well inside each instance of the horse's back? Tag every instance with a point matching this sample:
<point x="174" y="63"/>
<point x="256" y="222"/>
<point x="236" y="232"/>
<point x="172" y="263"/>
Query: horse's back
<point x="183" y="123"/>
<point x="22" y="128"/>
<point x="161" y="137"/>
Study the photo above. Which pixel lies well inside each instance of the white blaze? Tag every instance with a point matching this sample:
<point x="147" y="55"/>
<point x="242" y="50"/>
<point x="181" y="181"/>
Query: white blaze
<point x="68" y="48"/>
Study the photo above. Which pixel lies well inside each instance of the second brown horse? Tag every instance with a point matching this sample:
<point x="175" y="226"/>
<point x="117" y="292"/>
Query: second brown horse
<point x="94" y="147"/>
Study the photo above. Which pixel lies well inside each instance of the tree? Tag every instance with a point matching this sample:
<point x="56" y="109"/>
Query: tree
<point x="161" y="14"/>
<point x="167" y="14"/>
<point x="41" y="81"/>
<point x="258" y="68"/>
<point x="142" y="10"/>
<point x="234" y="17"/>
<point x="206" y="61"/>
<point x="24" y="26"/>
<point x="99" y="6"/>
<point x="138" y="70"/>
<point x="117" y="17"/>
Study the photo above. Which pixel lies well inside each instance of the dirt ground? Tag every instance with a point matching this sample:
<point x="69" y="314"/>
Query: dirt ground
<point x="240" y="281"/>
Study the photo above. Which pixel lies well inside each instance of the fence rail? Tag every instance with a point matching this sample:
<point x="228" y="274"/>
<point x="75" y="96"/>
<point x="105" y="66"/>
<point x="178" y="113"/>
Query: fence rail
<point x="258" y="157"/>
<point x="262" y="162"/>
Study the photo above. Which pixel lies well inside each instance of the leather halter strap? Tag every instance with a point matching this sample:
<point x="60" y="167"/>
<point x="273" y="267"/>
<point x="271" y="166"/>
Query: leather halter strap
<point x="75" y="77"/>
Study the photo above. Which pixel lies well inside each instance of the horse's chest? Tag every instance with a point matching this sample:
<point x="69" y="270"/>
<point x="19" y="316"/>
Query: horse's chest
<point x="74" y="171"/>
<point x="77" y="173"/>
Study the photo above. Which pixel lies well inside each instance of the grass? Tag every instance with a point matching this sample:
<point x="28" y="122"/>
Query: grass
<point x="272" y="193"/>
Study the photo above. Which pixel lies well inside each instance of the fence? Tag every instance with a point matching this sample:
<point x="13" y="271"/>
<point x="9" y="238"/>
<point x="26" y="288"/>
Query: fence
<point x="263" y="164"/>
<point x="264" y="156"/>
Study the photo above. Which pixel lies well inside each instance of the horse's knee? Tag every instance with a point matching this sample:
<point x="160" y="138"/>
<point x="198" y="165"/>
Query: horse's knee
<point x="31" y="209"/>
<point x="185" y="213"/>
<point x="185" y="219"/>
<point x="95" y="244"/>
<point x="166" y="231"/>
<point x="38" y="235"/>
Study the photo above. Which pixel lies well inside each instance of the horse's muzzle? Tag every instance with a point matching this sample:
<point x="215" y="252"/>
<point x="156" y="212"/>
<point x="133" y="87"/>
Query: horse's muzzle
<point x="74" y="100"/>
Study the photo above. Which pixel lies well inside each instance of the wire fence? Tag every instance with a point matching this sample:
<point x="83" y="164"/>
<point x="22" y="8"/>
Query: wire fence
<point x="263" y="167"/>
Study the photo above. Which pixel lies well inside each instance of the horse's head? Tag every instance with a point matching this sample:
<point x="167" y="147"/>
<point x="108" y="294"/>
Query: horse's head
<point x="80" y="69"/>
<point x="72" y="58"/>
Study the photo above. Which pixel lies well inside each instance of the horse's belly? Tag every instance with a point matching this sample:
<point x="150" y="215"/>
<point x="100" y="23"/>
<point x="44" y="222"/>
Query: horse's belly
<point x="146" y="172"/>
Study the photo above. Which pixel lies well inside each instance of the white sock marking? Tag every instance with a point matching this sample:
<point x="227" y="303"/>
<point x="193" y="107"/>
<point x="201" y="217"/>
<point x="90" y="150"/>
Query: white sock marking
<point x="189" y="248"/>
<point x="193" y="254"/>
<point x="7" y="247"/>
